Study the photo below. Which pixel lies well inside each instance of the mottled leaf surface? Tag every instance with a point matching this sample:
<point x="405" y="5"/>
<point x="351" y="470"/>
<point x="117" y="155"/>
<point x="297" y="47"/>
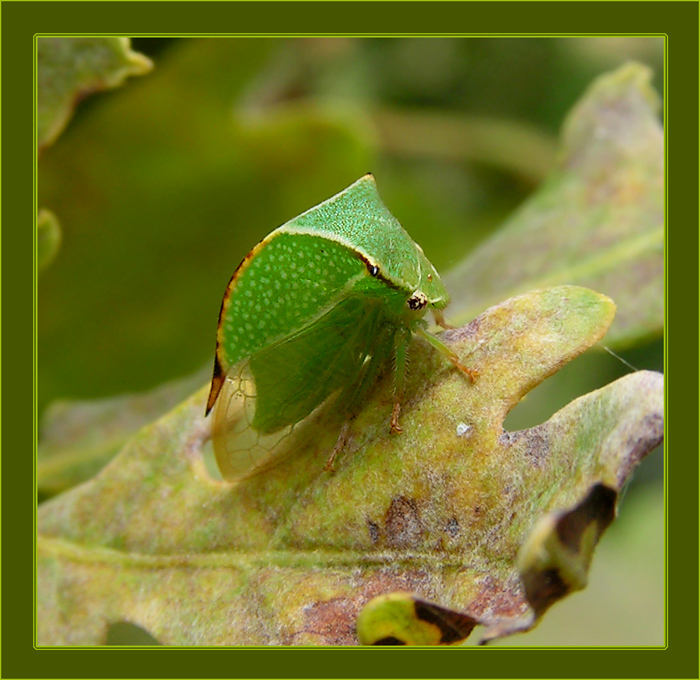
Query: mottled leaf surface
<point x="71" y="68"/>
<point x="597" y="221"/>
<point x="292" y="556"/>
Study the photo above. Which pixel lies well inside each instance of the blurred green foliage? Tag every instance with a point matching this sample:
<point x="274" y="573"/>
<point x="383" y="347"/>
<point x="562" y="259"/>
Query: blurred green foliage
<point x="162" y="186"/>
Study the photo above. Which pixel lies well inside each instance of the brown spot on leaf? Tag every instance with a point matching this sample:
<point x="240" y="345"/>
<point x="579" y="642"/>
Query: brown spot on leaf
<point x="537" y="446"/>
<point x="333" y="621"/>
<point x="403" y="524"/>
<point x="470" y="330"/>
<point x="498" y="599"/>
<point x="454" y="626"/>
<point x="545" y="589"/>
<point x="534" y="443"/>
<point x="598" y="507"/>
<point x="390" y="641"/>
<point x="507" y="438"/>
<point x="373" y="531"/>
<point x="453" y="527"/>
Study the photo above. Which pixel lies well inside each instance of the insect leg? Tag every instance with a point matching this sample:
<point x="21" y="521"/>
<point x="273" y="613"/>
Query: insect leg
<point x="339" y="445"/>
<point x="400" y="356"/>
<point x="447" y="352"/>
<point x="440" y="319"/>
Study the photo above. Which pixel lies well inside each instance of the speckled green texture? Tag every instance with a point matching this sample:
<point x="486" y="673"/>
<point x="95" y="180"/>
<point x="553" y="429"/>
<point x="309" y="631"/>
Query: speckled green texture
<point x="315" y="261"/>
<point x="358" y="217"/>
<point x="289" y="282"/>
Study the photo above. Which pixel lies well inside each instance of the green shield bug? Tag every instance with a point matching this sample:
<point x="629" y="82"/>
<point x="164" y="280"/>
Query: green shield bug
<point x="311" y="314"/>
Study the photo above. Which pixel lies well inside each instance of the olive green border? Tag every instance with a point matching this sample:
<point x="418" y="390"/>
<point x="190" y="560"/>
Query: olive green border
<point x="20" y="22"/>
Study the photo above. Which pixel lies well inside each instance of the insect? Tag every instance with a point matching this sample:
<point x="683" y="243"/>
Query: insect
<point x="313" y="313"/>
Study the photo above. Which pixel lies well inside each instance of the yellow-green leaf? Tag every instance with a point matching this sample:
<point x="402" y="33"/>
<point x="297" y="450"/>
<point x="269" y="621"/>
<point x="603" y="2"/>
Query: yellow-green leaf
<point x="293" y="555"/>
<point x="401" y="619"/>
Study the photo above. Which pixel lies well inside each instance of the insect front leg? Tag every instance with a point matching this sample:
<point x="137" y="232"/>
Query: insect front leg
<point x="440" y="319"/>
<point x="448" y="353"/>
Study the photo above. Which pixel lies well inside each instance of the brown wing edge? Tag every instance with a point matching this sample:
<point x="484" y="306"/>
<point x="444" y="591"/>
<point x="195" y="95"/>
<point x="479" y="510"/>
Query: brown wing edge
<point x="217" y="382"/>
<point x="219" y="376"/>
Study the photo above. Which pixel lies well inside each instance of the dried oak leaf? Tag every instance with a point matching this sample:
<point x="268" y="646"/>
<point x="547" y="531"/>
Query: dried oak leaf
<point x="292" y="556"/>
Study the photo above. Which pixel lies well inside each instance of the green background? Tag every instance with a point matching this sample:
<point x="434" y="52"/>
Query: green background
<point x="164" y="185"/>
<point x="496" y="192"/>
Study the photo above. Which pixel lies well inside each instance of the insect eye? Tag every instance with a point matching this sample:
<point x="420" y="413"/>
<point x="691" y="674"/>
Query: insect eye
<point x="373" y="269"/>
<point x="417" y="301"/>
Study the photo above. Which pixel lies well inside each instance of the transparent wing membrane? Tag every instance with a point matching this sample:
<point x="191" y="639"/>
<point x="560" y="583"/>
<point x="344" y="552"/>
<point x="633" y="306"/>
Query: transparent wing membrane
<point x="242" y="451"/>
<point x="267" y="397"/>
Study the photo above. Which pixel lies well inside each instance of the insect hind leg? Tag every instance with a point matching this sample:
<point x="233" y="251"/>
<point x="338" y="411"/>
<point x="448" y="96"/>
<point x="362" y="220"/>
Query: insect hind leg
<point x="339" y="445"/>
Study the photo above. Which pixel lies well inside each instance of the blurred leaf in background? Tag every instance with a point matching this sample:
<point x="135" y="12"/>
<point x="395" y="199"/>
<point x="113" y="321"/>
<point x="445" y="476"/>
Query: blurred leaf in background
<point x="68" y="70"/>
<point x="48" y="238"/>
<point x="71" y="68"/>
